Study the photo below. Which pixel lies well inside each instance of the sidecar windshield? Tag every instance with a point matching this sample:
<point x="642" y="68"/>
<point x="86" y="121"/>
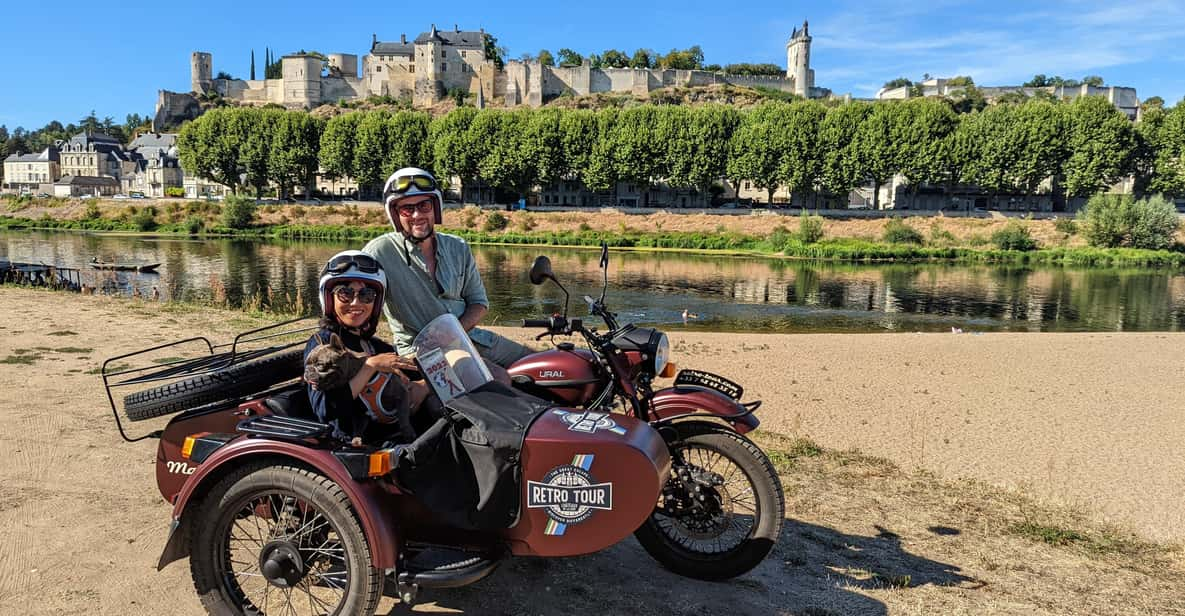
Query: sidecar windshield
<point x="448" y="359"/>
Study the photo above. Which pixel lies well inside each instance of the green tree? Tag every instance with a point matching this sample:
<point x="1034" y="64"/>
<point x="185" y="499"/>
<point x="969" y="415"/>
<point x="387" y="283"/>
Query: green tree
<point x="801" y="166"/>
<point x="544" y="142"/>
<point x="1038" y="81"/>
<point x="876" y="148"/>
<point x="697" y="140"/>
<point x="614" y="58"/>
<point x="545" y="58"/>
<point x="638" y="155"/>
<point x="1093" y="80"/>
<point x="258" y="127"/>
<point x="1168" y="141"/>
<point x="407" y="141"/>
<point x="1120" y="220"/>
<point x="492" y="51"/>
<point x="686" y="59"/>
<point x="337" y="144"/>
<point x="842" y="170"/>
<point x="209" y="147"/>
<point x="600" y="173"/>
<point x="371" y="150"/>
<point x="1037" y="134"/>
<point x="899" y="82"/>
<point x="642" y="58"/>
<point x="921" y="133"/>
<point x="1152" y="102"/>
<point x="758" y="146"/>
<point x="292" y="159"/>
<point x="452" y="150"/>
<point x="252" y="65"/>
<point x="1101" y="143"/>
<point x="745" y="68"/>
<point x="507" y="163"/>
<point x="569" y="57"/>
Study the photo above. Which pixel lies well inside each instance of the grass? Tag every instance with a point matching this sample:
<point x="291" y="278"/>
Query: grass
<point x="72" y="350"/>
<point x="64" y="332"/>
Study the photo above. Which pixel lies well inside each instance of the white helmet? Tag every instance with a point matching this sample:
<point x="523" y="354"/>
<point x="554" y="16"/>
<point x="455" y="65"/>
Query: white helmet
<point x="352" y="265"/>
<point x="407" y="182"/>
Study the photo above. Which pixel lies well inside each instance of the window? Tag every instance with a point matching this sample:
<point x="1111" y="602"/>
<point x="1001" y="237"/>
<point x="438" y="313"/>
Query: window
<point x="411" y="68"/>
<point x="378" y="69"/>
<point x="746" y="185"/>
<point x="443" y="67"/>
<point x="442" y="54"/>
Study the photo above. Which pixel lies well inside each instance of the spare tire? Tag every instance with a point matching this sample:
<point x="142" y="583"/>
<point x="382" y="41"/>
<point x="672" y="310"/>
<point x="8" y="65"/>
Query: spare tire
<point x="232" y="382"/>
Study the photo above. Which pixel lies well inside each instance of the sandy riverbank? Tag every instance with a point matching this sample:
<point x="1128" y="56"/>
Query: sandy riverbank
<point x="1089" y="419"/>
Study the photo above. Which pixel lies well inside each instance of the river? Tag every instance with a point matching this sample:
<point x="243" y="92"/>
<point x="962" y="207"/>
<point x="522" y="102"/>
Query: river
<point x="719" y="293"/>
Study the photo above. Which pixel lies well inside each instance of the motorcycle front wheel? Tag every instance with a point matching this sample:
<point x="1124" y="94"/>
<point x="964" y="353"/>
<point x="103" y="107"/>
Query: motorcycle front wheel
<point x="721" y="510"/>
<point x="281" y="540"/>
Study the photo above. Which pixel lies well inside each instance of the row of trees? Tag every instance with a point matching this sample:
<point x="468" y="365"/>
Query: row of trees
<point x="21" y="140"/>
<point x="691" y="58"/>
<point x="1075" y="149"/>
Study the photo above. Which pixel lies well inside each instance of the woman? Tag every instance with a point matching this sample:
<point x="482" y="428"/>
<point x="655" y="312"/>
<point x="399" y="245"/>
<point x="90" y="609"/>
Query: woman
<point x="373" y="404"/>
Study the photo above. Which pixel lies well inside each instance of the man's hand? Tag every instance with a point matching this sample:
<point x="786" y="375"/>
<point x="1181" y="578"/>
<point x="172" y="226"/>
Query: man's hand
<point x="472" y="316"/>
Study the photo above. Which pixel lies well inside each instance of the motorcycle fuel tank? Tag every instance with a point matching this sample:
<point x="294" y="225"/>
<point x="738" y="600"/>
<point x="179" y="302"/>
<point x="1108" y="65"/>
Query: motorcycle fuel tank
<point x="566" y="376"/>
<point x="589" y="479"/>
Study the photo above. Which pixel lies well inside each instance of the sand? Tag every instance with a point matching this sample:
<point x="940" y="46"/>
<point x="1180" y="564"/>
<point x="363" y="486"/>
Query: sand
<point x="1093" y="420"/>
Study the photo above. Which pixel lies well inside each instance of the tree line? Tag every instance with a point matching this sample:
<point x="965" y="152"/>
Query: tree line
<point x="1074" y="149"/>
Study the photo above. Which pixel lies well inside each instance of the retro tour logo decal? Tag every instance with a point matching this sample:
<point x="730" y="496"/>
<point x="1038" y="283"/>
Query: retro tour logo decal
<point x="589" y="422"/>
<point x="569" y="494"/>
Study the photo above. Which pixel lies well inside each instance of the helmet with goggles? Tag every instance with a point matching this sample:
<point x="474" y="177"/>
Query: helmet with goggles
<point x="345" y="267"/>
<point x="410" y="182"/>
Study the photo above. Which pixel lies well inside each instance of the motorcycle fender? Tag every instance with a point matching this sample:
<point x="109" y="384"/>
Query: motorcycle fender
<point x="681" y="400"/>
<point x="373" y="504"/>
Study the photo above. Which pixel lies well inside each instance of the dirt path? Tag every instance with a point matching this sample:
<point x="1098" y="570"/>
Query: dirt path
<point x="1092" y="419"/>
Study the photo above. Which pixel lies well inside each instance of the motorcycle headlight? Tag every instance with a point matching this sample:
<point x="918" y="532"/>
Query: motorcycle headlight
<point x="662" y="353"/>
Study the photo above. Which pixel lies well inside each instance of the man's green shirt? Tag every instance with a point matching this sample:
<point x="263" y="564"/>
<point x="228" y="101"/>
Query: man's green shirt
<point x="413" y="298"/>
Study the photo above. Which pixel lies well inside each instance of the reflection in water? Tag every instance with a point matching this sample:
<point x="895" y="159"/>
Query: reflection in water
<point x="727" y="294"/>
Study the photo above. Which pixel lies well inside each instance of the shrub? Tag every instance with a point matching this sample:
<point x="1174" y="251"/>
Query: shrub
<point x="810" y="228"/>
<point x="1110" y="221"/>
<point x="524" y="221"/>
<point x="779" y="237"/>
<point x="238" y="212"/>
<point x="976" y="240"/>
<point x="940" y="236"/>
<point x="584" y="226"/>
<point x="1014" y="236"/>
<point x="469" y="216"/>
<point x="174" y="191"/>
<point x="91" y="212"/>
<point x="897" y="232"/>
<point x="1066" y="226"/>
<point x="495" y="222"/>
<point x="194" y="225"/>
<point x="145" y="219"/>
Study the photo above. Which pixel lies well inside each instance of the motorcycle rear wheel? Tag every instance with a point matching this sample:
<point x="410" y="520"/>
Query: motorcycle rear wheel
<point x="264" y="510"/>
<point x="746" y="503"/>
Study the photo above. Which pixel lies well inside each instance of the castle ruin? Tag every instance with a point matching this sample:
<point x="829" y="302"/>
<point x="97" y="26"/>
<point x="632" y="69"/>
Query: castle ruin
<point x="440" y="62"/>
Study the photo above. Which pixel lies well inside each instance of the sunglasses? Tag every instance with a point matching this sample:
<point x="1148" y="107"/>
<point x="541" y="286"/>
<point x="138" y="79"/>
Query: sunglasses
<point x="342" y="264"/>
<point x="403" y="184"/>
<point x="345" y="295"/>
<point x="409" y="209"/>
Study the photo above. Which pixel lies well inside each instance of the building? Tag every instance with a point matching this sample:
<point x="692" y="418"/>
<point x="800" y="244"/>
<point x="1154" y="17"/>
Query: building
<point x="157" y="167"/>
<point x="1123" y="98"/>
<point x="94" y="155"/>
<point x="32" y="173"/>
<point x="439" y="63"/>
<point x="89" y="185"/>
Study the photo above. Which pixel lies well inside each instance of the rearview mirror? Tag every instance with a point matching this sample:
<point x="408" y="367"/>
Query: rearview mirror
<point x="541" y="270"/>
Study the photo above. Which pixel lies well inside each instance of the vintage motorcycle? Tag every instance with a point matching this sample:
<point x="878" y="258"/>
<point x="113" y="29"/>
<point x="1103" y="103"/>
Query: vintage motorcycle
<point x="276" y="516"/>
<point x="700" y="416"/>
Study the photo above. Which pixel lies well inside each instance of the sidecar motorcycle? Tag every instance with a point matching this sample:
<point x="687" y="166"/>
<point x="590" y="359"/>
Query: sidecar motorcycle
<point x="276" y="516"/>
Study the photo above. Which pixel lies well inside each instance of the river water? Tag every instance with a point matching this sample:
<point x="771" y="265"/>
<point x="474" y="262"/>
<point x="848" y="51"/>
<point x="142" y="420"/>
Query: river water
<point x="719" y="293"/>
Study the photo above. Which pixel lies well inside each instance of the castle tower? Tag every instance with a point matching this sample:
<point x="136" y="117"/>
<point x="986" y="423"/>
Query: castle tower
<point x="798" y="62"/>
<point x="302" y="80"/>
<point x="428" y="63"/>
<point x="201" y="72"/>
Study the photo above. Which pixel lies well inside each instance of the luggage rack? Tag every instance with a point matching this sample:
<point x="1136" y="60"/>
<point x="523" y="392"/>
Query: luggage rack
<point x="219" y="357"/>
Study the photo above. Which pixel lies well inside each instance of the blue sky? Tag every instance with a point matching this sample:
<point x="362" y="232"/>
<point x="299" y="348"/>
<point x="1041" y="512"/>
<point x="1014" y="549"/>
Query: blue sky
<point x="65" y="58"/>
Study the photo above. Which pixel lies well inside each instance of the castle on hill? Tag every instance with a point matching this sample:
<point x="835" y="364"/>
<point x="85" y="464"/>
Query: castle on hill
<point x="439" y="62"/>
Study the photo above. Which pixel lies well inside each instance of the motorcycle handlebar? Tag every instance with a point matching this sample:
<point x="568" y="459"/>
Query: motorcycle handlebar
<point x="537" y="323"/>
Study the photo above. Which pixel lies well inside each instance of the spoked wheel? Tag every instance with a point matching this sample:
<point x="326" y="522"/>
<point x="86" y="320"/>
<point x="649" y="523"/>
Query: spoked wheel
<point x="721" y="509"/>
<point x="281" y="540"/>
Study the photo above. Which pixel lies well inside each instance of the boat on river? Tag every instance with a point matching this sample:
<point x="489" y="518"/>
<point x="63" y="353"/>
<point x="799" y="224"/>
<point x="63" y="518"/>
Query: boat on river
<point x="124" y="267"/>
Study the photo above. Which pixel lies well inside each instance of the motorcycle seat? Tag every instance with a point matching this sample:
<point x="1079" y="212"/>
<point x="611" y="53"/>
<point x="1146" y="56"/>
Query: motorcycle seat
<point x="291" y="403"/>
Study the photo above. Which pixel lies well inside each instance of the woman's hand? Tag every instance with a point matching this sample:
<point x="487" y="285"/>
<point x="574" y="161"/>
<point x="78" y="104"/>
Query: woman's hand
<point x="390" y="362"/>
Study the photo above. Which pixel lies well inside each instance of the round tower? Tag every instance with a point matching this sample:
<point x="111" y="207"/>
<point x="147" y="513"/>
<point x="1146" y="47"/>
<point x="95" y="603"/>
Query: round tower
<point x="344" y="65"/>
<point x="201" y="72"/>
<point x="302" y="80"/>
<point x="798" y="61"/>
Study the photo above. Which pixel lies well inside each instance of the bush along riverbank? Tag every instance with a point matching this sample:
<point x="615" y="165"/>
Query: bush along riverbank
<point x="1063" y="241"/>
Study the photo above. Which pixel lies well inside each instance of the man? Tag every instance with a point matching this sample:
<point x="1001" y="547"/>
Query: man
<point x="430" y="273"/>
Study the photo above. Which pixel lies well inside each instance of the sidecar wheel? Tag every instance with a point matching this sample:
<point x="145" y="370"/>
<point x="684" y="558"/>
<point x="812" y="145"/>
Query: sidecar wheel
<point x="726" y="518"/>
<point x="281" y="540"/>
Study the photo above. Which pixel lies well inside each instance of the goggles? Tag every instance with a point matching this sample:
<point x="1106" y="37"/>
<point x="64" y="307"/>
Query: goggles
<point x="363" y="263"/>
<point x="403" y="184"/>
<point x="345" y="294"/>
